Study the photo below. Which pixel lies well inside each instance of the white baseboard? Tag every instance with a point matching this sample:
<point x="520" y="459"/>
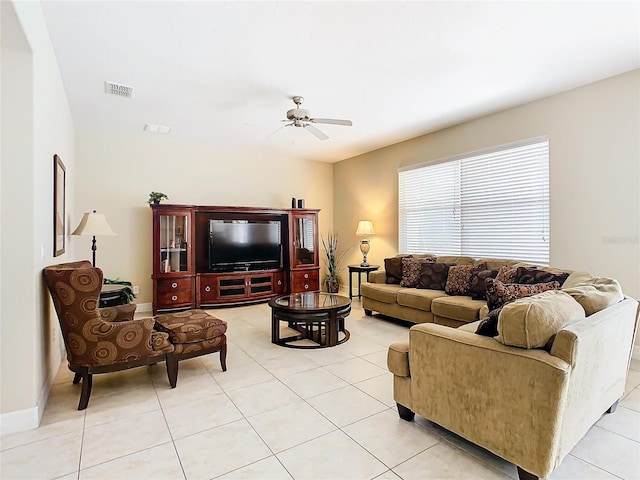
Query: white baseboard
<point x="635" y="354"/>
<point x="144" y="307"/>
<point x="26" y="419"/>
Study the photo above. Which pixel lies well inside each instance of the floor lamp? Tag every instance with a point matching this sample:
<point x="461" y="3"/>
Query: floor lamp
<point x="365" y="229"/>
<point x="93" y="224"/>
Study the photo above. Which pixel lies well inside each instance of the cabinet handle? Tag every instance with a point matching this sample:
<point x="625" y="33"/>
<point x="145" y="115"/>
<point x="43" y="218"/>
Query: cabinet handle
<point x="174" y="298"/>
<point x="174" y="285"/>
<point x="306" y="275"/>
<point x="306" y="287"/>
<point x="279" y="282"/>
<point x="207" y="289"/>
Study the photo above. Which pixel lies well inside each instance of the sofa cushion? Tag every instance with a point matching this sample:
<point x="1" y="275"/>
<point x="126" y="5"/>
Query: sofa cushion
<point x="469" y="327"/>
<point x="499" y="294"/>
<point x="420" y="299"/>
<point x="532" y="322"/>
<point x="593" y="293"/>
<point x="460" y="277"/>
<point x="478" y="285"/>
<point x="434" y="275"/>
<point x="381" y="292"/>
<point x="496" y="263"/>
<point x="456" y="259"/>
<point x="411" y="269"/>
<point x="461" y="308"/>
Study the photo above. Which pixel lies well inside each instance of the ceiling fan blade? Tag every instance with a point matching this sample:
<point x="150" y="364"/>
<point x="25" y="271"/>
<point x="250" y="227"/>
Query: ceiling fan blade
<point x="331" y="121"/>
<point x="315" y="131"/>
<point x="278" y="129"/>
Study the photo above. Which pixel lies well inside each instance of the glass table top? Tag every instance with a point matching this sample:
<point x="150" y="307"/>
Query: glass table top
<point x="311" y="301"/>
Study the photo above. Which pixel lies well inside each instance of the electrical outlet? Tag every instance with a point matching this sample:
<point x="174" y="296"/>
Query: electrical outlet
<point x="136" y="289"/>
<point x="54" y="335"/>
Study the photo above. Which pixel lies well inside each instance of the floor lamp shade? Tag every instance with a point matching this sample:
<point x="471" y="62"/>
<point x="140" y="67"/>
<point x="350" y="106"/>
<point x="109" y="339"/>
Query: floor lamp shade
<point x="365" y="229"/>
<point x="93" y="224"/>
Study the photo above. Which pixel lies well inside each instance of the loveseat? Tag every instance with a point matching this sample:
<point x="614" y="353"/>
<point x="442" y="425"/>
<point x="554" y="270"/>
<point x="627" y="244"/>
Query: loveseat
<point x="529" y="393"/>
<point x="432" y="305"/>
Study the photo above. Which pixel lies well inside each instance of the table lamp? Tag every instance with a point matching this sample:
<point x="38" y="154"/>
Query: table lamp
<point x="365" y="229"/>
<point x="93" y="224"/>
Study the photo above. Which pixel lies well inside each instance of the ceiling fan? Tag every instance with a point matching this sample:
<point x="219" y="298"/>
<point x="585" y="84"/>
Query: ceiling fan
<point x="299" y="117"/>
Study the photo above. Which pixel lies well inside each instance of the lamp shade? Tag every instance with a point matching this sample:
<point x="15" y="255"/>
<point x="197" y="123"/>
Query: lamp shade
<point x="365" y="228"/>
<point x="93" y="224"/>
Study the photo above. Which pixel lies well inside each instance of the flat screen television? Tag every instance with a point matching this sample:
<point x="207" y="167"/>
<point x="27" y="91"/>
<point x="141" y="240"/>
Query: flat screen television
<point x="236" y="245"/>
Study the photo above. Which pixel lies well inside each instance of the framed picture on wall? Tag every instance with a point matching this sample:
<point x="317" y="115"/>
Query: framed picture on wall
<point x="59" y="174"/>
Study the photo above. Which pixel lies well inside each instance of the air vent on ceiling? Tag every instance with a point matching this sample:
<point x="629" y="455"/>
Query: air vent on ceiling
<point x="118" y="89"/>
<point x="156" y="128"/>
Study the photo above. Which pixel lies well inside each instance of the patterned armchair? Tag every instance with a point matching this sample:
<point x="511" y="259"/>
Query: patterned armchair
<point x="99" y="340"/>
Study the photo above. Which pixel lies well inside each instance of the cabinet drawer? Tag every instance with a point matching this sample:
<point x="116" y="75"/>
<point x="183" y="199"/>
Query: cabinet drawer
<point x="208" y="289"/>
<point x="306" y="281"/>
<point x="169" y="285"/>
<point x="167" y="300"/>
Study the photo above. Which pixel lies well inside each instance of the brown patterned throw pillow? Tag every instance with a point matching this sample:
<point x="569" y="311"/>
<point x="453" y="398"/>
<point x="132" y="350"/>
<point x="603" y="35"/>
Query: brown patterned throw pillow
<point x="460" y="276"/>
<point x="393" y="269"/>
<point x="488" y="327"/>
<point x="499" y="294"/>
<point x="478" y="286"/>
<point x="411" y="268"/>
<point x="507" y="274"/>
<point x="434" y="275"/>
<point x="529" y="275"/>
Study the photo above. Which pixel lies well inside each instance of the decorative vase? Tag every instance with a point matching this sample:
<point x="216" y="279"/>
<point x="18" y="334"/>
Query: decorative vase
<point x="332" y="285"/>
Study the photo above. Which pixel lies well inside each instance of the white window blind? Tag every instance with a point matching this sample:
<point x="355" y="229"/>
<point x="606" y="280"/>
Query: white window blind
<point x="485" y="204"/>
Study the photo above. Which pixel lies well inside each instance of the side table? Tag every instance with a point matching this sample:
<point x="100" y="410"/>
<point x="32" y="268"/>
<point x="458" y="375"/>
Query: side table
<point x="359" y="270"/>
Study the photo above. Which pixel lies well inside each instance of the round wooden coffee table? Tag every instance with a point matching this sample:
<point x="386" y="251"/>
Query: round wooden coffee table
<point x="315" y="316"/>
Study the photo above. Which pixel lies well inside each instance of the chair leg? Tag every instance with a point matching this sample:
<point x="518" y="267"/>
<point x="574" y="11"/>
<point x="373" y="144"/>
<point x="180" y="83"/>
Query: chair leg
<point x="76" y="378"/>
<point x="85" y="392"/>
<point x="172" y="369"/>
<point x="223" y="357"/>
<point x="613" y="407"/>
<point x="405" y="413"/>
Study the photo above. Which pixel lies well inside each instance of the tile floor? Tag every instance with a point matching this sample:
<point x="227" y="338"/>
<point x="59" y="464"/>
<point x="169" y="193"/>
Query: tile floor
<point x="279" y="413"/>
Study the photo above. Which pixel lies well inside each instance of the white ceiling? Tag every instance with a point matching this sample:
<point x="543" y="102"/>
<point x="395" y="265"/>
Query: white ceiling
<point x="223" y="73"/>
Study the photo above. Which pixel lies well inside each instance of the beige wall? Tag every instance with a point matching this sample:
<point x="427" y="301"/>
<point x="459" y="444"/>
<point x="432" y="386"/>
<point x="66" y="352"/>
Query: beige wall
<point x="118" y="173"/>
<point x="594" y="146"/>
<point x="36" y="124"/>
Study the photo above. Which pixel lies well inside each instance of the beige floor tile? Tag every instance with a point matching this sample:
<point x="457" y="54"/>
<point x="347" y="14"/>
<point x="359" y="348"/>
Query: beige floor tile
<point x="122" y="382"/>
<point x="291" y="425"/>
<point x="109" y="441"/>
<point x="313" y="382"/>
<point x="632" y="400"/>
<point x="624" y="422"/>
<point x="633" y="381"/>
<point x="380" y="388"/>
<point x="242" y="376"/>
<point x="262" y="397"/>
<point x="573" y="468"/>
<point x="220" y="450"/>
<point x="155" y="463"/>
<point x="328" y="356"/>
<point x="346" y="405"/>
<point x="355" y="370"/>
<point x="378" y="358"/>
<point x="49" y="458"/>
<point x="187" y="389"/>
<point x="444" y="461"/>
<point x="388" y="475"/>
<point x="193" y="416"/>
<point x="268" y="469"/>
<point x="360" y="346"/>
<point x="288" y="364"/>
<point x="62" y="407"/>
<point x="332" y="456"/>
<point x="51" y="430"/>
<point x="610" y="452"/>
<point x="390" y="439"/>
<point x="119" y="405"/>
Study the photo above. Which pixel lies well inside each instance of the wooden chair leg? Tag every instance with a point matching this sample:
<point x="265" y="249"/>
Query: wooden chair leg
<point x="223" y="357"/>
<point x="85" y="392"/>
<point x="405" y="413"/>
<point x="76" y="378"/>
<point x="172" y="369"/>
<point x="613" y="407"/>
<point x="524" y="475"/>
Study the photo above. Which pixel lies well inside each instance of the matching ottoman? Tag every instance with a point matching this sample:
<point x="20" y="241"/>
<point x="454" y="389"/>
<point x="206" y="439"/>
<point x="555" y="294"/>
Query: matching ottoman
<point x="193" y="333"/>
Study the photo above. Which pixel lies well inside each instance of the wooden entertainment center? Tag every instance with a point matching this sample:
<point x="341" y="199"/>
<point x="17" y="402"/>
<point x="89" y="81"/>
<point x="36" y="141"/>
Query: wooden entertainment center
<point x="188" y="273"/>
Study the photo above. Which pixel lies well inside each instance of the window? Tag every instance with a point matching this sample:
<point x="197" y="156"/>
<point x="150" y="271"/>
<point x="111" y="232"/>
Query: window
<point x="493" y="203"/>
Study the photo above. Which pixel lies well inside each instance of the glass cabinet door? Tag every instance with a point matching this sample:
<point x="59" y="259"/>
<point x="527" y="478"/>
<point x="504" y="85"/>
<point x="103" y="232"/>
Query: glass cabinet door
<point x="304" y="241"/>
<point x="174" y="241"/>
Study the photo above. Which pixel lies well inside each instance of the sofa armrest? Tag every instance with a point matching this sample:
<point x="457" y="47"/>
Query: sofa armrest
<point x="378" y="276"/>
<point x="509" y="400"/>
<point x="398" y="359"/>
